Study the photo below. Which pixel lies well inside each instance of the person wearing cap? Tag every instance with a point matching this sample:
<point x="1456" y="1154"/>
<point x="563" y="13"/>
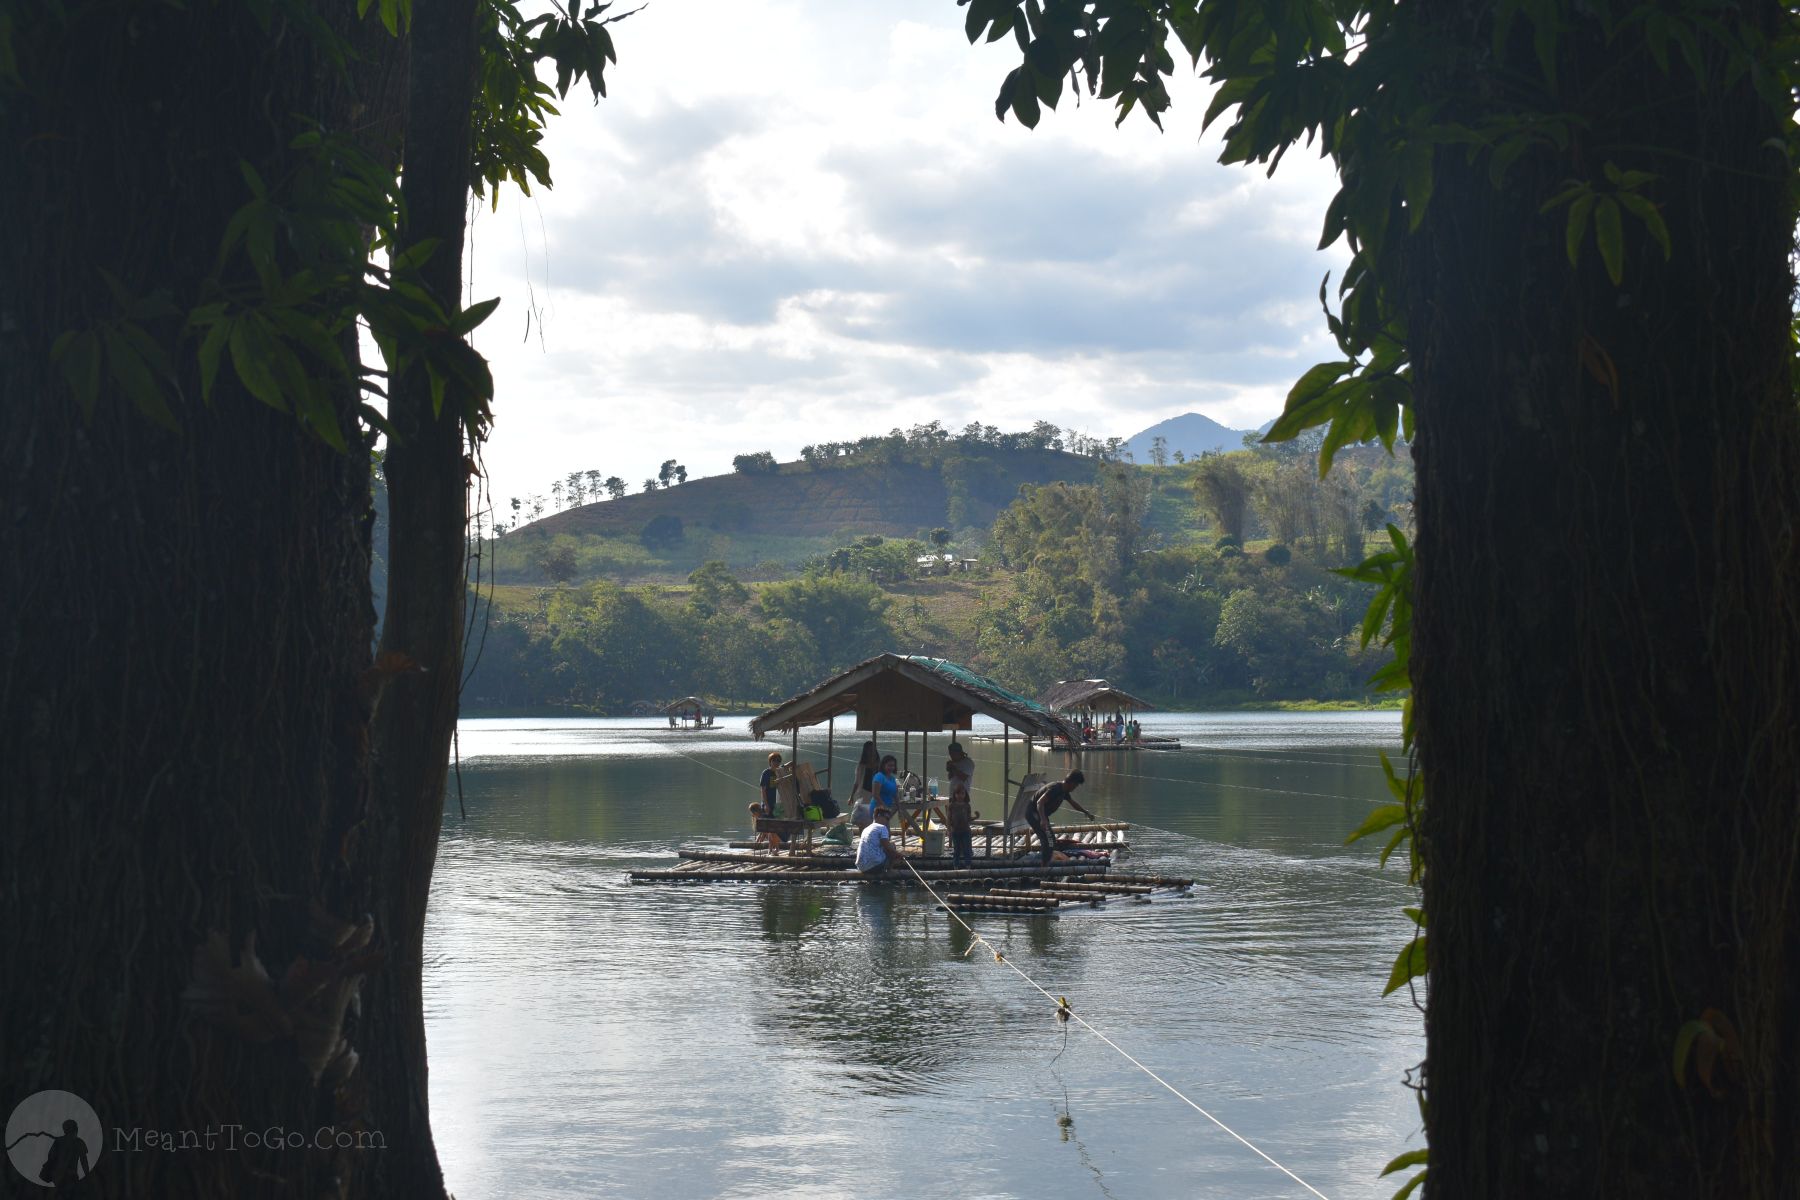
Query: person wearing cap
<point x="874" y="850"/>
<point x="959" y="812"/>
<point x="1048" y="801"/>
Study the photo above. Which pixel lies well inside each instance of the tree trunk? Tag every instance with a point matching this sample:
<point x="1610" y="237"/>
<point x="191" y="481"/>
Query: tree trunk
<point x="422" y="631"/>
<point x="1605" y="643"/>
<point x="183" y="667"/>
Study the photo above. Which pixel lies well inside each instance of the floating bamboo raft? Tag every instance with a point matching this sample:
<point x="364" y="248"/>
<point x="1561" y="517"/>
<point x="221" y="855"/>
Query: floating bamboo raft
<point x="1103" y="835"/>
<point x="1005" y="886"/>
<point x="1103" y="746"/>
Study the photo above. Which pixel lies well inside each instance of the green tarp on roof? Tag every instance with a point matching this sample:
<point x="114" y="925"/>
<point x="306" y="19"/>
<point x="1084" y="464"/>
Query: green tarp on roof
<point x="968" y="678"/>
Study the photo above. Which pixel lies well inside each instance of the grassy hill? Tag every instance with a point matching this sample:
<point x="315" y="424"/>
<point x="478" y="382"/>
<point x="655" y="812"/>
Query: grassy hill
<point x="762" y="524"/>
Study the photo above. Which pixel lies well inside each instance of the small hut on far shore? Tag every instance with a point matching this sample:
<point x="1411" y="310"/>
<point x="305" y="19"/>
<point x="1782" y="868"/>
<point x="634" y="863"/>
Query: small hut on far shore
<point x="688" y="714"/>
<point x="1088" y="703"/>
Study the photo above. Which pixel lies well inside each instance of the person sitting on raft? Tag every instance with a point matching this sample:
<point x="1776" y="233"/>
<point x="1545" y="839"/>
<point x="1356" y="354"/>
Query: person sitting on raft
<point x="875" y="849"/>
<point x="769" y="805"/>
<point x="1048" y="801"/>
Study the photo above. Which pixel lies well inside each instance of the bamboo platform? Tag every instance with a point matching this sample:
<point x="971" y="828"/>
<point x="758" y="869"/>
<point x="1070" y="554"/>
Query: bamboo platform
<point x="1102" y="835"/>
<point x="1101" y="746"/>
<point x="994" y="885"/>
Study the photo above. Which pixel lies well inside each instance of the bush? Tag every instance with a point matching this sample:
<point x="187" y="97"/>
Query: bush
<point x="661" y="531"/>
<point x="1278" y="555"/>
<point x="1229" y="543"/>
<point x="760" y="463"/>
<point x="559" y="564"/>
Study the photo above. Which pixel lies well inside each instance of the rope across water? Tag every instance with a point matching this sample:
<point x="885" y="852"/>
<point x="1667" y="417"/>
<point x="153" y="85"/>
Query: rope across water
<point x="1067" y="1012"/>
<point x="1062" y="1008"/>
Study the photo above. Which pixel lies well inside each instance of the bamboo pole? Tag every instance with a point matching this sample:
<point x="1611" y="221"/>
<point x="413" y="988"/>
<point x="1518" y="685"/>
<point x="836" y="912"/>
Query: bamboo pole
<point x="1005" y="792"/>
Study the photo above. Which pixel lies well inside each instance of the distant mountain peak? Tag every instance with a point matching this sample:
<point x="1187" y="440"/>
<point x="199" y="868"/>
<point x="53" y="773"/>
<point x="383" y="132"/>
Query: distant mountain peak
<point x="1191" y="433"/>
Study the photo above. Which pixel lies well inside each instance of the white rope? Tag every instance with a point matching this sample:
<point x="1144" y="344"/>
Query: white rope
<point x="1061" y="1006"/>
<point x="1064" y="1009"/>
<point x="715" y="770"/>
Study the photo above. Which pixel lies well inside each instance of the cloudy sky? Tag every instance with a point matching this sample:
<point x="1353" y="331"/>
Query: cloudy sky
<point x="798" y="221"/>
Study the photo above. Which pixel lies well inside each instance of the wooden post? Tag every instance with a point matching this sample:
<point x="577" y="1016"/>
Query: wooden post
<point x="830" y="734"/>
<point x="1005" y="790"/>
<point x="906" y="752"/>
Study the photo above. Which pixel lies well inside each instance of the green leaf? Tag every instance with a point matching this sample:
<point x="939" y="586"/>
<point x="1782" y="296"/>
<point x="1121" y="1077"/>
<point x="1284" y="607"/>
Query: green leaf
<point x="1385" y="816"/>
<point x="1645" y="211"/>
<point x="316" y="410"/>
<point x="133" y="374"/>
<point x="1418" y="918"/>
<point x="1025" y="103"/>
<point x="1412" y="1158"/>
<point x="1611" y="239"/>
<point x="464" y="322"/>
<point x="1334" y="218"/>
<point x="210" y="348"/>
<point x="1408" y="966"/>
<point x="1418" y="182"/>
<point x="1577" y="227"/>
<point x="250" y="359"/>
<point x="415" y="255"/>
<point x="1410" y="1186"/>
<point x="1397" y="787"/>
<point x="375" y="419"/>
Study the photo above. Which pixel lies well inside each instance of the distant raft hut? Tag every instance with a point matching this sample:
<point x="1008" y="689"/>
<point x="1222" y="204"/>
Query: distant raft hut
<point x="1088" y="704"/>
<point x="688" y="714"/>
<point x="912" y="695"/>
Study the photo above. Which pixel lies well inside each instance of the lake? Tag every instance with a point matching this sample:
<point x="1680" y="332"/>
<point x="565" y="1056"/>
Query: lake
<point x="592" y="1037"/>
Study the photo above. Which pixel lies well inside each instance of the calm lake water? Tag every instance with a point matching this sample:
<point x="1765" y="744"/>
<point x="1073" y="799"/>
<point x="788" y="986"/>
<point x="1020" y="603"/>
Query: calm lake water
<point x="591" y="1037"/>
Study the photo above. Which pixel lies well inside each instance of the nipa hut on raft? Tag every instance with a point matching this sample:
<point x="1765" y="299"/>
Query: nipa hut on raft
<point x="688" y="713"/>
<point x="1086" y="703"/>
<point x="916" y="697"/>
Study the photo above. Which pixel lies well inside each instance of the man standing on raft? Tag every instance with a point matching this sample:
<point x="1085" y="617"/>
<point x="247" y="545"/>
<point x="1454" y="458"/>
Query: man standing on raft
<point x="1048" y="801"/>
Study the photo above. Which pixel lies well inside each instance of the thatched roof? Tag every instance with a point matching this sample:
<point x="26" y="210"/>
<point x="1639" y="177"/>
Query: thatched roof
<point x="911" y="693"/>
<point x="1078" y="695"/>
<point x="685" y="704"/>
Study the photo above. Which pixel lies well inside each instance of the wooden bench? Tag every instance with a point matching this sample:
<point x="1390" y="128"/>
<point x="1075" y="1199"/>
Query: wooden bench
<point x="792" y="782"/>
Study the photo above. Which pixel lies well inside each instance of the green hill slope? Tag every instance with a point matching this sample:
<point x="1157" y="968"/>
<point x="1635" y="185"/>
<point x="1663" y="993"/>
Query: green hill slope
<point x="782" y="517"/>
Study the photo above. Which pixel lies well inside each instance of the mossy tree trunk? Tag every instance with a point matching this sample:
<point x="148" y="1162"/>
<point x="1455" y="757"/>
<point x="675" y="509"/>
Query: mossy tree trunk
<point x="185" y="666"/>
<point x="1608" y="614"/>
<point x="423" y="626"/>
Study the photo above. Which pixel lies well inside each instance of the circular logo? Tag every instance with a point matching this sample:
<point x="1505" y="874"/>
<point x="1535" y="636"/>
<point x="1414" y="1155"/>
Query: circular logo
<point x="54" y="1139"/>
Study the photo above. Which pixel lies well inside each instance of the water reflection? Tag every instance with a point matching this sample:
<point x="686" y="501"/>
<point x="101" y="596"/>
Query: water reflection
<point x="597" y="1038"/>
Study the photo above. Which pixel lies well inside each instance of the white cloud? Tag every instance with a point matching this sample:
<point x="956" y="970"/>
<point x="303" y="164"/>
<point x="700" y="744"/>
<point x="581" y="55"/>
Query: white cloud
<point x="795" y="222"/>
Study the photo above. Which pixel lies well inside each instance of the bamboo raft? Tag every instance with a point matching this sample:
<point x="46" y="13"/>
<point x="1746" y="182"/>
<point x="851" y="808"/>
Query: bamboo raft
<point x="908" y="694"/>
<point x="1017" y="887"/>
<point x="1099" y="835"/>
<point x="1102" y="746"/>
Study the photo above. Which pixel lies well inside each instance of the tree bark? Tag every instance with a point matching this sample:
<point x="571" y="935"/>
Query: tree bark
<point x="183" y="664"/>
<point x="422" y="631"/>
<point x="1605" y="660"/>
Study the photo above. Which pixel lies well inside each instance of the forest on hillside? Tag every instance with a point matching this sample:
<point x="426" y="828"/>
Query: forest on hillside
<point x="1209" y="582"/>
